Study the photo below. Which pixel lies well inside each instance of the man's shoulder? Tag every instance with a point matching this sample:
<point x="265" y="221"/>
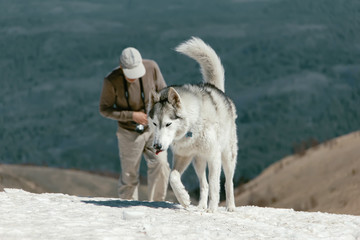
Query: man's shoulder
<point x="148" y="63"/>
<point x="114" y="74"/>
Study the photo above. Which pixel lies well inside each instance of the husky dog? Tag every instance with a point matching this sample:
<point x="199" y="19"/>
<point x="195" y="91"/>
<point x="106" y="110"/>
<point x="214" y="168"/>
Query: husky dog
<point x="198" y="121"/>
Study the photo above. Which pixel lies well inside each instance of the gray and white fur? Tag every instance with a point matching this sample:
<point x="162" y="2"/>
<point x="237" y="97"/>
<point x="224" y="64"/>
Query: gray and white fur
<point x="198" y="122"/>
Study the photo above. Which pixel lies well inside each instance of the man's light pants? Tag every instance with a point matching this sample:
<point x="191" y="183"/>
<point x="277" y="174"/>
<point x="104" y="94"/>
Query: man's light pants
<point x="131" y="147"/>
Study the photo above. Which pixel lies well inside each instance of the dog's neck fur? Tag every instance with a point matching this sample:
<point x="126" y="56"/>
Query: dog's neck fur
<point x="190" y="111"/>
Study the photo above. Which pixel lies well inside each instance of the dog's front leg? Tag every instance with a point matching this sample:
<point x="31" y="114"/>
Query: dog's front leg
<point x="200" y="168"/>
<point x="180" y="164"/>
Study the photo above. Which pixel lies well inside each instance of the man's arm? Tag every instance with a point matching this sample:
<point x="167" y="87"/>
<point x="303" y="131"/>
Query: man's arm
<point x="107" y="102"/>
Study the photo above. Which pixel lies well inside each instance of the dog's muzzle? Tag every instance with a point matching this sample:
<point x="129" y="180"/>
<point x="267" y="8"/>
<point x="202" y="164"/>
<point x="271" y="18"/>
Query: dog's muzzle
<point x="158" y="148"/>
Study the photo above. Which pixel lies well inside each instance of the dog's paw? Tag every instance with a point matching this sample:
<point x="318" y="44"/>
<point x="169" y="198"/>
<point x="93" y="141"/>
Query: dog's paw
<point x="202" y="205"/>
<point x="212" y="208"/>
<point x="183" y="198"/>
<point x="213" y="205"/>
<point x="185" y="202"/>
<point x="179" y="189"/>
<point x="230" y="208"/>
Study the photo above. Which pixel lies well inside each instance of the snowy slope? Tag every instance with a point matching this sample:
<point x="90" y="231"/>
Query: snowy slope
<point x="26" y="215"/>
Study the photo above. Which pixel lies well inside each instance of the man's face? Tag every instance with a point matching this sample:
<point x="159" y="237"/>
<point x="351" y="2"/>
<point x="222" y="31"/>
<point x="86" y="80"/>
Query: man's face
<point x="130" y="80"/>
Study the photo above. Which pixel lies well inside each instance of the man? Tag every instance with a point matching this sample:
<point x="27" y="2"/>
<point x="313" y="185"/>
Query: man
<point x="124" y="98"/>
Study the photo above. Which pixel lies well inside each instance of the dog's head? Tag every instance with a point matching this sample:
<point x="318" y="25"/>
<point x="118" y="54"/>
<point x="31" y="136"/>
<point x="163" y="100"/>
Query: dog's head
<point x="165" y="117"/>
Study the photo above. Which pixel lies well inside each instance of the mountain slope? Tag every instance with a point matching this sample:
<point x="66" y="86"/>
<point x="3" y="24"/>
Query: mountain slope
<point x="325" y="178"/>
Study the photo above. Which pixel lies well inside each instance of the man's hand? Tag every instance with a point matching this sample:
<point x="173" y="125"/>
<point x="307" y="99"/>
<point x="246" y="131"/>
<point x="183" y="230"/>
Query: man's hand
<point x="140" y="117"/>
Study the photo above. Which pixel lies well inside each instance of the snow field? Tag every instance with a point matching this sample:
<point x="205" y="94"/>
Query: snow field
<point x="27" y="215"/>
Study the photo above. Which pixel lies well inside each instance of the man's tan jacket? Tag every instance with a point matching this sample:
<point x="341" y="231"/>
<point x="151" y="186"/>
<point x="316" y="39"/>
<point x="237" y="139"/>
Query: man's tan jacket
<point x="113" y="102"/>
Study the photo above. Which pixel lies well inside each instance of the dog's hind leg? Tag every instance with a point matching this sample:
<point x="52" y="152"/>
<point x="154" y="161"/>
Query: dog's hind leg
<point x="200" y="168"/>
<point x="228" y="162"/>
<point x="180" y="164"/>
<point x="214" y="163"/>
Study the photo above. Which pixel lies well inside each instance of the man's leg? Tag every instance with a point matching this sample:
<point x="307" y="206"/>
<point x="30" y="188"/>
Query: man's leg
<point x="158" y="171"/>
<point x="131" y="145"/>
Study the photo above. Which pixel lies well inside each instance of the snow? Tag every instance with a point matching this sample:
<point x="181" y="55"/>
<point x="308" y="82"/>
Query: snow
<point x="25" y="215"/>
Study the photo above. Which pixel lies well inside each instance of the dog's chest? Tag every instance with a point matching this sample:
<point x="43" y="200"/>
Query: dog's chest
<point x="184" y="144"/>
<point x="189" y="145"/>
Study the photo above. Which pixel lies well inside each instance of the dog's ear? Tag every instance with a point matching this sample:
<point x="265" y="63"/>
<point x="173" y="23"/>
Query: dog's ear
<point x="174" y="98"/>
<point x="154" y="98"/>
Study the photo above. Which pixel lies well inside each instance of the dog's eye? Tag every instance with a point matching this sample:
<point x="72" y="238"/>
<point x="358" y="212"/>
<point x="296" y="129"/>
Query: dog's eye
<point x="154" y="124"/>
<point x="168" y="124"/>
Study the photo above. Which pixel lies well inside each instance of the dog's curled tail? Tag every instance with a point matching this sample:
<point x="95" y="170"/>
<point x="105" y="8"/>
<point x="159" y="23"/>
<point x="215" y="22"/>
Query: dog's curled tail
<point x="210" y="64"/>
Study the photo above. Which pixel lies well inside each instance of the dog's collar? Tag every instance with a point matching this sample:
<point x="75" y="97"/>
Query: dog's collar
<point x="188" y="134"/>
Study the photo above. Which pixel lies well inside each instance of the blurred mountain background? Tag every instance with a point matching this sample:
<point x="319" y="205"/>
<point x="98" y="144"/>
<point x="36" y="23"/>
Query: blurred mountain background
<point x="291" y="66"/>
